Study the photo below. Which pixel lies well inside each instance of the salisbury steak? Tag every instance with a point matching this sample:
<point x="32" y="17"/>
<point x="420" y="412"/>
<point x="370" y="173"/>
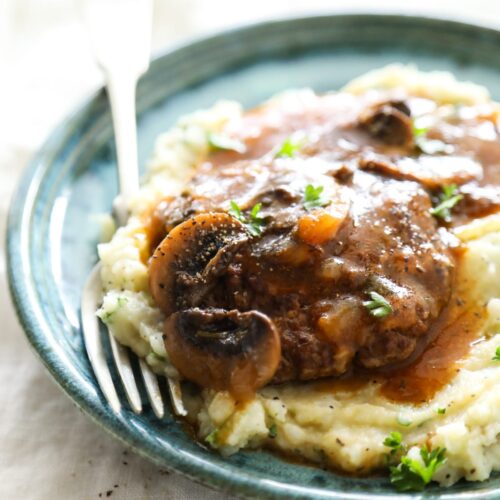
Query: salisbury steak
<point x="337" y="245"/>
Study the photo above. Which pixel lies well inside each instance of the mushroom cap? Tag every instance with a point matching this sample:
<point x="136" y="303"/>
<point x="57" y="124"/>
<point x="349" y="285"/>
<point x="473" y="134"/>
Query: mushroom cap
<point x="191" y="254"/>
<point x="172" y="211"/>
<point x="390" y="122"/>
<point x="224" y="350"/>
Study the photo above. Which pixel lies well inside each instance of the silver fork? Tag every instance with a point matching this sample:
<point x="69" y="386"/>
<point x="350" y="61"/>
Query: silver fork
<point x="120" y="35"/>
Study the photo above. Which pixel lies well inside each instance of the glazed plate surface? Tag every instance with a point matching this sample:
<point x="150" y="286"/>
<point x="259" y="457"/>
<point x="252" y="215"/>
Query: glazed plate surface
<point x="54" y="218"/>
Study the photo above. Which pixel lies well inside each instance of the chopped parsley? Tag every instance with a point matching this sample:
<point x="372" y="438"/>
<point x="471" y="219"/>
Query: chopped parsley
<point x="273" y="431"/>
<point x="447" y="200"/>
<point x="254" y="223"/>
<point x="496" y="357"/>
<point x="121" y="301"/>
<point x="236" y="212"/>
<point x="223" y="142"/>
<point x="419" y="131"/>
<point x="441" y="411"/>
<point x="211" y="439"/>
<point x="312" y="197"/>
<point x="107" y="317"/>
<point x="394" y="442"/>
<point x="378" y="306"/>
<point x="414" y="475"/>
<point x="290" y="147"/>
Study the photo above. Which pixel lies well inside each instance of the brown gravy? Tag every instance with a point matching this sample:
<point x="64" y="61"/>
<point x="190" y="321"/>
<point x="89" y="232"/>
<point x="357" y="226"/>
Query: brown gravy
<point x="446" y="337"/>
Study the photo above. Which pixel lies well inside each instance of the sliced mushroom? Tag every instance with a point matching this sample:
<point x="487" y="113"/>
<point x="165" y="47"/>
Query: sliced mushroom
<point x="390" y="122"/>
<point x="430" y="171"/>
<point x="224" y="350"/>
<point x="171" y="212"/>
<point x="183" y="266"/>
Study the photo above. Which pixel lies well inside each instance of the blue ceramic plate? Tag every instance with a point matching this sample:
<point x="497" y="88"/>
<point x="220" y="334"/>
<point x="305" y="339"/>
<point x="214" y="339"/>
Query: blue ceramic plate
<point x="53" y="230"/>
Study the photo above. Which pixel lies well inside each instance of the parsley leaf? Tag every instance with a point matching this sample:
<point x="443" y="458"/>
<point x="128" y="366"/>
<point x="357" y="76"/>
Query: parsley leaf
<point x="211" y="439"/>
<point x="121" y="301"/>
<point x="221" y="142"/>
<point x="273" y="431"/>
<point x="447" y="200"/>
<point x="441" y="411"/>
<point x="254" y="213"/>
<point x="496" y="357"/>
<point x="378" y="306"/>
<point x="236" y="212"/>
<point x="254" y="224"/>
<point x="393" y="441"/>
<point x="418" y="131"/>
<point x="312" y="197"/>
<point x="412" y="474"/>
<point x="290" y="147"/>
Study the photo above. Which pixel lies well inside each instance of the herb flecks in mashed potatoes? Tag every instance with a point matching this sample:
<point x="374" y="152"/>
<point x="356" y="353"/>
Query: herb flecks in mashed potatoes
<point x="107" y="316"/>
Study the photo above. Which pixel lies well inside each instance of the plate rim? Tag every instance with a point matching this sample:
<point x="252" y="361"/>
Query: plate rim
<point x="20" y="209"/>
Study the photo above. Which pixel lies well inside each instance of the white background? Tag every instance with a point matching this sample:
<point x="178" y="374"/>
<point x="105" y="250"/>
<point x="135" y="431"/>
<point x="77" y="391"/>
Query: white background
<point x="48" y="448"/>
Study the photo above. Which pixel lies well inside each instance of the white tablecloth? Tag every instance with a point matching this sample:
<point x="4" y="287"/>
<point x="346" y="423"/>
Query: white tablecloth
<point x="48" y="448"/>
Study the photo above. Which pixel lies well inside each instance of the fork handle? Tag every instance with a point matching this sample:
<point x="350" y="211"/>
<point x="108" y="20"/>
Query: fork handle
<point x="121" y="88"/>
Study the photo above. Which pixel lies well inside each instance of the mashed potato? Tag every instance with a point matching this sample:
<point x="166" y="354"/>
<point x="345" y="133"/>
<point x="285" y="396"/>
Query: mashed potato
<point x="341" y="428"/>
